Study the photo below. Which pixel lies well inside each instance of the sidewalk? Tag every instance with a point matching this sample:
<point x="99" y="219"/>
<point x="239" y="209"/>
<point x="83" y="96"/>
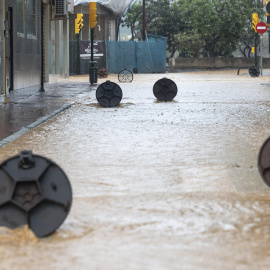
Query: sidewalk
<point x="18" y="117"/>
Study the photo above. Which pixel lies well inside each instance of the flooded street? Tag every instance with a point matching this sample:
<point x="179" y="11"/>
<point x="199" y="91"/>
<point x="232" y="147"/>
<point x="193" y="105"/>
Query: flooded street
<point x="156" y="186"/>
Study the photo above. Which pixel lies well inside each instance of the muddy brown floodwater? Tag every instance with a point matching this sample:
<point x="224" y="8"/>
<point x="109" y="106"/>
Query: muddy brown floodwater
<point x="156" y="185"/>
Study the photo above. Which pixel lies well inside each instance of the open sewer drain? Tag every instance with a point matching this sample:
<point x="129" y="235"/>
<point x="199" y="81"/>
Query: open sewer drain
<point x="34" y="191"/>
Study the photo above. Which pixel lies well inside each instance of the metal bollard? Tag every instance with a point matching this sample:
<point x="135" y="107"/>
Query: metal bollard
<point x="165" y="89"/>
<point x="109" y="94"/>
<point x="35" y="191"/>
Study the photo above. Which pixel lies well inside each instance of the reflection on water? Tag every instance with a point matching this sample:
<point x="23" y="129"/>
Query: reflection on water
<point x="156" y="185"/>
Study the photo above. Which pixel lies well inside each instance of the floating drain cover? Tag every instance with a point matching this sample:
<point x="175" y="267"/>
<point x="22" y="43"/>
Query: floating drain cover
<point x="125" y="75"/>
<point x="165" y="89"/>
<point x="254" y="71"/>
<point x="264" y="161"/>
<point x="34" y="191"/>
<point x="109" y="94"/>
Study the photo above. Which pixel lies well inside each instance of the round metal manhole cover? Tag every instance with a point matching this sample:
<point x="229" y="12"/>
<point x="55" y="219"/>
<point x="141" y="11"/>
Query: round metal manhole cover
<point x="125" y="75"/>
<point x="34" y="191"/>
<point x="264" y="161"/>
<point x="165" y="89"/>
<point x="109" y="94"/>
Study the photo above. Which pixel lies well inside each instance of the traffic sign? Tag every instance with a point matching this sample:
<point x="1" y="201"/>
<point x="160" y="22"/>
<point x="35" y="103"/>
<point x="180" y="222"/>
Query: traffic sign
<point x="261" y="27"/>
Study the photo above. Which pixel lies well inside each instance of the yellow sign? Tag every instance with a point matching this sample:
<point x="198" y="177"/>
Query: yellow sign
<point x="78" y="23"/>
<point x="92" y="14"/>
<point x="255" y="20"/>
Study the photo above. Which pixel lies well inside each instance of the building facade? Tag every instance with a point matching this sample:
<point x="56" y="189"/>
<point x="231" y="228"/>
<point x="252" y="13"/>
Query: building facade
<point x="34" y="45"/>
<point x="56" y="42"/>
<point x="21" y="59"/>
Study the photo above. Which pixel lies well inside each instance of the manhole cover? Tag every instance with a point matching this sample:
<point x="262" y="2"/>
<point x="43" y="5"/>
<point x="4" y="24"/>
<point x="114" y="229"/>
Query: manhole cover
<point x="165" y="89"/>
<point x="34" y="191"/>
<point x="109" y="94"/>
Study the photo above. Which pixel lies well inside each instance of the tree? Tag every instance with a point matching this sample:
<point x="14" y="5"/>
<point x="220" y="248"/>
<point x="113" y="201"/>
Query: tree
<point x="198" y="27"/>
<point x="189" y="43"/>
<point x="221" y="24"/>
<point x="133" y="18"/>
<point x="162" y="20"/>
<point x="247" y="36"/>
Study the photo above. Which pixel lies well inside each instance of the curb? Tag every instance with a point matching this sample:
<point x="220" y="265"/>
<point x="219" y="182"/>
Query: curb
<point x="38" y="122"/>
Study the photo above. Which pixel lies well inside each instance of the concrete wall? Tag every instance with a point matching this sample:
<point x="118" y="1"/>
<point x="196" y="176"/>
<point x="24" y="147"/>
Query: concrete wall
<point x="208" y="63"/>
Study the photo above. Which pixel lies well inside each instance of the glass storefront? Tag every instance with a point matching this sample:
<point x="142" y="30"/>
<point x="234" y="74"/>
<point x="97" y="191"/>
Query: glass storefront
<point x="31" y="19"/>
<point x="19" y="19"/>
<point x="52" y="49"/>
<point x="1" y="49"/>
<point x="26" y="45"/>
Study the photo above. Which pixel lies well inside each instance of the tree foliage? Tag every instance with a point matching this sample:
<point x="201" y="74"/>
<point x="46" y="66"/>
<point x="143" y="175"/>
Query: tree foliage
<point x="134" y="21"/>
<point x="160" y="20"/>
<point x="189" y="43"/>
<point x="221" y="24"/>
<point x="198" y="27"/>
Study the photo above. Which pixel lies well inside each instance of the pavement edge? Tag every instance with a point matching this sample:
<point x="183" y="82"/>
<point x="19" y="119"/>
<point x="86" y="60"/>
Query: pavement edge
<point x="38" y="122"/>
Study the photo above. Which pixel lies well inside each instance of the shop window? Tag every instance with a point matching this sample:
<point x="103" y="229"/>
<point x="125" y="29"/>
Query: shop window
<point x="31" y="19"/>
<point x="21" y="4"/>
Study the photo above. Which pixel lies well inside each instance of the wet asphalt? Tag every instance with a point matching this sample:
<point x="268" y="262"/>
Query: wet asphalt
<point x="156" y="185"/>
<point x="22" y="114"/>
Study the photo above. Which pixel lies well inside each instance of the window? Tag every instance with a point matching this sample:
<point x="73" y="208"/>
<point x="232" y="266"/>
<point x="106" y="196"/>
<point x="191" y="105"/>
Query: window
<point x="31" y="19"/>
<point x="20" y="17"/>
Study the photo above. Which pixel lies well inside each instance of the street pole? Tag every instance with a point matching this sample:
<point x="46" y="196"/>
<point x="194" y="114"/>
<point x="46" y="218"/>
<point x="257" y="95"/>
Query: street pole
<point x="269" y="42"/>
<point x="261" y="49"/>
<point x="42" y="49"/>
<point x="93" y="68"/>
<point x="255" y="45"/>
<point x="78" y="57"/>
<point x="92" y="44"/>
<point x="144" y="33"/>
